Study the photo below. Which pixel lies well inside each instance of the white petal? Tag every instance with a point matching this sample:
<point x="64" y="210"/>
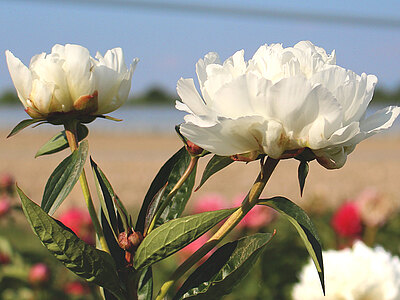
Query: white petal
<point x="332" y="158"/>
<point x="189" y="95"/>
<point x="210" y="58"/>
<point x="41" y="96"/>
<point x="21" y="77"/>
<point x="379" y="121"/>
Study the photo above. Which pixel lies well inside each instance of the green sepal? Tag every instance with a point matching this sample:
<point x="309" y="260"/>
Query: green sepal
<point x="215" y="164"/>
<point x="59" y="142"/>
<point x="302" y="173"/>
<point x="22" y="125"/>
<point x="218" y="275"/>
<point x="304" y="227"/>
<point x="84" y="260"/>
<point x="174" y="235"/>
<point x="63" y="179"/>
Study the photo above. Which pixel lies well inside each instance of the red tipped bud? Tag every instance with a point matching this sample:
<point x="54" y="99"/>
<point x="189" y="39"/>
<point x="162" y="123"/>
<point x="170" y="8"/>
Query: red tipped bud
<point x="123" y="241"/>
<point x="135" y="238"/>
<point x="193" y="149"/>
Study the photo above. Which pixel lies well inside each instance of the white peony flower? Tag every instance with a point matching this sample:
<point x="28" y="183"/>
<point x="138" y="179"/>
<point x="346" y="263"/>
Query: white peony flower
<point x="70" y="80"/>
<point x="360" y="273"/>
<point x="283" y="99"/>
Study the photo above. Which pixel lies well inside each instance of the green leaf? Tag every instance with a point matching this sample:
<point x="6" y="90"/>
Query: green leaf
<point x="22" y="125"/>
<point x="174" y="235"/>
<point x="155" y="203"/>
<point x="305" y="228"/>
<point x="59" y="142"/>
<point x="145" y="286"/>
<point x="215" y="164"/>
<point x="218" y="275"/>
<point x="92" y="264"/>
<point x="302" y="174"/>
<point x="63" y="179"/>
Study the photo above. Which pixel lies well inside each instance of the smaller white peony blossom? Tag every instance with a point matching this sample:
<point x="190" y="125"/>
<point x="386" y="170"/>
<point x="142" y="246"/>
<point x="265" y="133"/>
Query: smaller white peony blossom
<point x="279" y="103"/>
<point x="360" y="273"/>
<point x="69" y="80"/>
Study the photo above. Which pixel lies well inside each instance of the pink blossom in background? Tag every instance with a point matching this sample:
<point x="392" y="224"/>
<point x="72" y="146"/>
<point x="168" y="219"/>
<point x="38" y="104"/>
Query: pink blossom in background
<point x="39" y="274"/>
<point x="259" y="216"/>
<point x="80" y="223"/>
<point x="6" y="181"/>
<point x="76" y="288"/>
<point x="194" y="246"/>
<point x="347" y="221"/>
<point x="5" y="205"/>
<point x="209" y="202"/>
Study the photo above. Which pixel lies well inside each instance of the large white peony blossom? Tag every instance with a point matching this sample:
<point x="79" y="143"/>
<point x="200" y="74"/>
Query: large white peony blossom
<point x="70" y="80"/>
<point x="360" y="273"/>
<point x="282" y="99"/>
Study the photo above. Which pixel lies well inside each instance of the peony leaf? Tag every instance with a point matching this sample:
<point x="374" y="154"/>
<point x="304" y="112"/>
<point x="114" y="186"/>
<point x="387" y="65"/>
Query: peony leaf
<point x="218" y="275"/>
<point x="90" y="263"/>
<point x="59" y="142"/>
<point x="63" y="179"/>
<point x="155" y="203"/>
<point x="145" y="285"/>
<point x="172" y="236"/>
<point x="169" y="173"/>
<point x="215" y="164"/>
<point x="302" y="174"/>
<point x="305" y="228"/>
<point x="22" y="125"/>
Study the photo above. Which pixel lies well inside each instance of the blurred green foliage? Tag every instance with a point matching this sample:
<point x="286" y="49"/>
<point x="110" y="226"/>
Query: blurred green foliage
<point x="159" y="96"/>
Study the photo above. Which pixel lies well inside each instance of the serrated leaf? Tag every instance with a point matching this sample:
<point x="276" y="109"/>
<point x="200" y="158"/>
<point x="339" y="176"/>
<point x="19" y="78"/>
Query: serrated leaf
<point x="305" y="228"/>
<point x="92" y="264"/>
<point x="218" y="275"/>
<point x="59" y="142"/>
<point x="174" y="235"/>
<point x="63" y="179"/>
<point x="215" y="164"/>
<point x="145" y="285"/>
<point x="169" y="173"/>
<point x="22" y="125"/>
<point x="302" y="175"/>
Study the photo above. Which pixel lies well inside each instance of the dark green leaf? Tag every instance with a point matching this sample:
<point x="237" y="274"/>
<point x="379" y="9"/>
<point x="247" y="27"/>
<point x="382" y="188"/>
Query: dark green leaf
<point x="174" y="235"/>
<point x="92" y="264"/>
<point x="305" y="228"/>
<point x="63" y="179"/>
<point x="105" y="193"/>
<point x="215" y="164"/>
<point x="153" y="207"/>
<point x="145" y="286"/>
<point x="22" y="125"/>
<point x="59" y="142"/>
<point x="302" y="175"/>
<point x="218" y="275"/>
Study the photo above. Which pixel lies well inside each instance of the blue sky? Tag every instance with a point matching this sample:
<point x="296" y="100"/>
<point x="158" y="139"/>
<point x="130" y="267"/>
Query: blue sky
<point x="169" y="44"/>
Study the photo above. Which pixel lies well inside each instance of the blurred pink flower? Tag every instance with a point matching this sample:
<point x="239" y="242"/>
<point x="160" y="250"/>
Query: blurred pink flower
<point x="259" y="216"/>
<point x="39" y="274"/>
<point x="6" y="181"/>
<point x="80" y="223"/>
<point x="76" y="288"/>
<point x="347" y="221"/>
<point x="5" y="205"/>
<point x="209" y="202"/>
<point x="194" y="246"/>
<point x="375" y="210"/>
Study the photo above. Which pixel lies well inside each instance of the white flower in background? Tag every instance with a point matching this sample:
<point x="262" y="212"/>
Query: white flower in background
<point x="360" y="273"/>
<point x="283" y="99"/>
<point x="70" y="80"/>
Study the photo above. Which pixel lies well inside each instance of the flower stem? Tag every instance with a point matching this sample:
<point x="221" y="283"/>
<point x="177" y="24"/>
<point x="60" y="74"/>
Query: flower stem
<point x="171" y="194"/>
<point x="71" y="134"/>
<point x="249" y="202"/>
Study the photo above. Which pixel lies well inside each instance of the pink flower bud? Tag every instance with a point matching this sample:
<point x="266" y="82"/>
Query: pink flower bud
<point x="346" y="221"/>
<point x="76" y="288"/>
<point x="80" y="223"/>
<point x="39" y="274"/>
<point x="6" y="181"/>
<point x="5" y="205"/>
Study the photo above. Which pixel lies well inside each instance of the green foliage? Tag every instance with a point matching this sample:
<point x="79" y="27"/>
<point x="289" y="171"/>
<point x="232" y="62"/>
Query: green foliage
<point x="63" y="179"/>
<point x="302" y="175"/>
<point x="92" y="264"/>
<point x="224" y="269"/>
<point x="22" y="125"/>
<point x="172" y="236"/>
<point x="215" y="164"/>
<point x="154" y="96"/>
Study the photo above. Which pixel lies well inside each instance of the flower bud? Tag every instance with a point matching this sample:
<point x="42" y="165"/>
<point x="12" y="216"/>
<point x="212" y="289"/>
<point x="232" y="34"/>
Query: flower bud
<point x="39" y="274"/>
<point x="6" y="182"/>
<point x="5" y="205"/>
<point x="135" y="238"/>
<point x="347" y="221"/>
<point x="193" y="149"/>
<point x="76" y="288"/>
<point x="124" y="242"/>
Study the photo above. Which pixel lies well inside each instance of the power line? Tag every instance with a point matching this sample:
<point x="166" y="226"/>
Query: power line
<point x="254" y="13"/>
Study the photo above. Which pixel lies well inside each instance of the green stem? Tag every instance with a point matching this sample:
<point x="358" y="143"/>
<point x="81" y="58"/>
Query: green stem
<point x="249" y="202"/>
<point x="171" y="194"/>
<point x="71" y="134"/>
